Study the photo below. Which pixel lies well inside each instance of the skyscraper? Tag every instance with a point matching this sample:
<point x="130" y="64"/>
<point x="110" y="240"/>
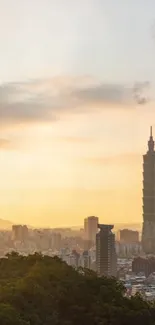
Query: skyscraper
<point x="86" y="228"/>
<point x="91" y="228"/>
<point x="106" y="260"/>
<point x="19" y="233"/>
<point x="148" y="233"/>
<point x="129" y="236"/>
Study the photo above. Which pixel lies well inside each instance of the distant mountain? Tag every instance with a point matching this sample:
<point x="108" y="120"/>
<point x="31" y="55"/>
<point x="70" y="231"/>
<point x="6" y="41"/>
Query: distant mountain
<point x="5" y="224"/>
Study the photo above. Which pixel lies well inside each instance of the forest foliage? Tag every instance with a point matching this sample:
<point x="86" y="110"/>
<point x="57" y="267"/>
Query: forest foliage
<point x="41" y="290"/>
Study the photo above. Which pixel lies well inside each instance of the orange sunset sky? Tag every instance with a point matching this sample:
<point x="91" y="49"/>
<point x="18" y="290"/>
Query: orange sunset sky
<point x="73" y="128"/>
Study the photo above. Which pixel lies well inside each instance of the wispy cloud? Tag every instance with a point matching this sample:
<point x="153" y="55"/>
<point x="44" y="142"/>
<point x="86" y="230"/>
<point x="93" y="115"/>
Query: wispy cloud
<point x="140" y="91"/>
<point x="104" y="93"/>
<point x="45" y="100"/>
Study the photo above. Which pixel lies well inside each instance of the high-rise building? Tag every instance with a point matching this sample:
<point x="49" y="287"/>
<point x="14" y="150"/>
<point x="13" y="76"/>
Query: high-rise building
<point x="86" y="228"/>
<point x="145" y="265"/>
<point x="56" y="241"/>
<point x="19" y="233"/>
<point x="85" y="260"/>
<point x="129" y="236"/>
<point x="106" y="260"/>
<point x="25" y="233"/>
<point x="91" y="228"/>
<point x="148" y="233"/>
<point x="74" y="259"/>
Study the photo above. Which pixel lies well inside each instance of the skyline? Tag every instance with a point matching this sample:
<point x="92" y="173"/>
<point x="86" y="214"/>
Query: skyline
<point x="72" y="130"/>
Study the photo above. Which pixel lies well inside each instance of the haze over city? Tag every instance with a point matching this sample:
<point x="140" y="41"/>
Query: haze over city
<point x="76" y="105"/>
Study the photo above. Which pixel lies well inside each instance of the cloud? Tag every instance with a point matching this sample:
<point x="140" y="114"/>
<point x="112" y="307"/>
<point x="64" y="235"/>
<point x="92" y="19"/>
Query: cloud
<point x="104" y="93"/>
<point x="140" y="91"/>
<point x="45" y="100"/>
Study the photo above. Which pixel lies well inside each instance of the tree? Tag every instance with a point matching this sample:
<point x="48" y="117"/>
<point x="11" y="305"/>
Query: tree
<point x="41" y="290"/>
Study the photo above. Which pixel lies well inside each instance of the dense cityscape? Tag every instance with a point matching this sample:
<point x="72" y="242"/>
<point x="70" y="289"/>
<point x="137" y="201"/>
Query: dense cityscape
<point x="125" y="254"/>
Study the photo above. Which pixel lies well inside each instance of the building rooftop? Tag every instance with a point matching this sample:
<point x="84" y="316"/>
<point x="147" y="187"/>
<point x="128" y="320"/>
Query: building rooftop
<point x="106" y="227"/>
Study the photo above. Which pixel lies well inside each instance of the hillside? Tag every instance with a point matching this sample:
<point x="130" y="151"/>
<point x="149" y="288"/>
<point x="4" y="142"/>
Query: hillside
<point x="37" y="290"/>
<point x="5" y="224"/>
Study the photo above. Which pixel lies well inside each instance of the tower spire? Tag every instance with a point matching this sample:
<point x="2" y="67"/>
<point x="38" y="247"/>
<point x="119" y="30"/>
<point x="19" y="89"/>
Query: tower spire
<point x="151" y="131"/>
<point x="151" y="142"/>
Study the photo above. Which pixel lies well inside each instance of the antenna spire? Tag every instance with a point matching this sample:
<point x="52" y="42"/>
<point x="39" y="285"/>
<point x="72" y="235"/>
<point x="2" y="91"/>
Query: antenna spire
<point x="151" y="131"/>
<point x="151" y="142"/>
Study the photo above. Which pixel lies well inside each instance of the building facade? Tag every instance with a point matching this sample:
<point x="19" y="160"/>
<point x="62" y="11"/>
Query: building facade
<point x="125" y="250"/>
<point x="128" y="236"/>
<point x="91" y="228"/>
<point x="106" y="260"/>
<point x="148" y="233"/>
<point x="19" y="233"/>
<point x="85" y="260"/>
<point x="144" y="265"/>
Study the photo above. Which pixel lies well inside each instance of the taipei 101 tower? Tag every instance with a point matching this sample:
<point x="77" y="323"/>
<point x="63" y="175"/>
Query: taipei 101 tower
<point x="148" y="234"/>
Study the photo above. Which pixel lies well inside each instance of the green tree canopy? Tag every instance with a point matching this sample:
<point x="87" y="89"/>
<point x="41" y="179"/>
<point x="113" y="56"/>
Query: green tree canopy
<point x="41" y="290"/>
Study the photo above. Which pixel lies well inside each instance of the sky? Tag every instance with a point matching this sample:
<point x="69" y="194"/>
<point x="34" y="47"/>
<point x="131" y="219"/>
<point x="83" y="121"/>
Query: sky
<point x="77" y="84"/>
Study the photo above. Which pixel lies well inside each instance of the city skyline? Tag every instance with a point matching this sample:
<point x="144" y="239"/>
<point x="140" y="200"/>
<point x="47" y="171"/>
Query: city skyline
<point x="73" y="131"/>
